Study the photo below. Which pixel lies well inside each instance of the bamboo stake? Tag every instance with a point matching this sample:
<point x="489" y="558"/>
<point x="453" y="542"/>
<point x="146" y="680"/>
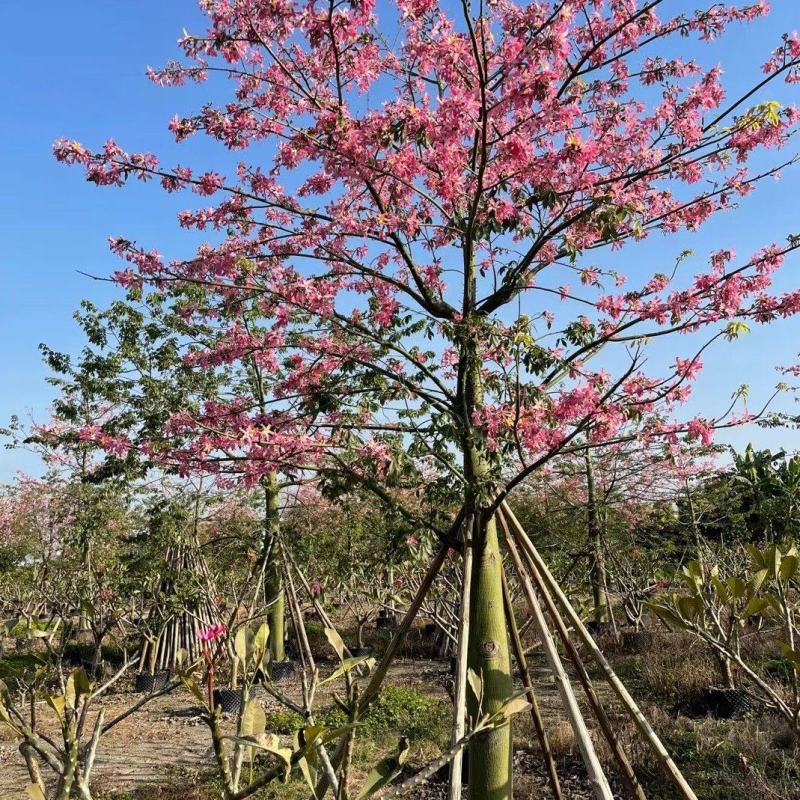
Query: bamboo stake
<point x="373" y="687"/>
<point x="628" y="774"/>
<point x="460" y="699"/>
<point x="536" y="714"/>
<point x="628" y="702"/>
<point x="597" y="778"/>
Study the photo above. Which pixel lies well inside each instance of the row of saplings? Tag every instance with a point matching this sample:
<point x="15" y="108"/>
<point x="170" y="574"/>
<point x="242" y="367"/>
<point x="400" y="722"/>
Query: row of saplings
<point x="741" y="607"/>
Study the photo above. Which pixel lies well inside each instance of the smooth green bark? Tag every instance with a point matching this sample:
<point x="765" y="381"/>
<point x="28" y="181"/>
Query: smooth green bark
<point x="490" y="774"/>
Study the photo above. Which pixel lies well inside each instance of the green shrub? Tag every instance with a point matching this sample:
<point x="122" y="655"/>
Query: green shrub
<point x="284" y="722"/>
<point x="399" y="709"/>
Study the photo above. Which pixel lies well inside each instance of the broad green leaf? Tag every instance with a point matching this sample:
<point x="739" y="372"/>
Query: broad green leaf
<point x="667" y="614"/>
<point x="789" y="566"/>
<point x="332" y="635"/>
<point x="759" y="561"/>
<point x="240" y="643"/>
<point x="260" y="641"/>
<point x="737" y="586"/>
<point x="757" y="579"/>
<point x="254" y="722"/>
<point x="308" y="765"/>
<point x="774" y="561"/>
<point x="193" y="687"/>
<point x="57" y="702"/>
<point x="270" y="743"/>
<point x="347" y="665"/>
<point x="755" y="606"/>
<point x="384" y="772"/>
<point x="689" y="607"/>
<point x="77" y="685"/>
<point x="516" y="705"/>
<point x="791" y="655"/>
<point x="475" y="683"/>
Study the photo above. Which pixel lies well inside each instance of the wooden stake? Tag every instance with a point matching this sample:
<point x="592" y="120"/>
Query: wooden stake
<point x="628" y="702"/>
<point x="629" y="776"/>
<point x="536" y="714"/>
<point x="460" y="699"/>
<point x="594" y="769"/>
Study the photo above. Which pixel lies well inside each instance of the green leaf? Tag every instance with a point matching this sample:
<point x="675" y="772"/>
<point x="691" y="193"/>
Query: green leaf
<point x="384" y="772"/>
<point x="475" y="683"/>
<point x="57" y="702"/>
<point x="789" y="567"/>
<point x="270" y="743"/>
<point x="669" y="615"/>
<point x="309" y="765"/>
<point x="240" y="645"/>
<point x="254" y="723"/>
<point x="755" y="606"/>
<point x="515" y="705"/>
<point x="757" y="579"/>
<point x="193" y="687"/>
<point x="774" y="561"/>
<point x="347" y="665"/>
<point x="77" y="685"/>
<point x="690" y="608"/>
<point x="332" y="635"/>
<point x="791" y="655"/>
<point x="737" y="586"/>
<point x="260" y="641"/>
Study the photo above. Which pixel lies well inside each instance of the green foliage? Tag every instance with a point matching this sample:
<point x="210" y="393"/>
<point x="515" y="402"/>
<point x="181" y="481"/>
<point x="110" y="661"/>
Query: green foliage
<point x="400" y="710"/>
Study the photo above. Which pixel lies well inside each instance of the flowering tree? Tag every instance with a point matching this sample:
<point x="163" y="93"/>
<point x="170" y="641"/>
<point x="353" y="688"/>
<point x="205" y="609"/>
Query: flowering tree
<point x="430" y="180"/>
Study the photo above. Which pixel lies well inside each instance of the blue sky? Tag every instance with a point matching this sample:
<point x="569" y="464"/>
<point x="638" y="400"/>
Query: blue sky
<point x="77" y="69"/>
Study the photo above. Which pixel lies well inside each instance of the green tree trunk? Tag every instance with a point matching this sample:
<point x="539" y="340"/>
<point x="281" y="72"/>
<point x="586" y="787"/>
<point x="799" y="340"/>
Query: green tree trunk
<point x="490" y="775"/>
<point x="273" y="579"/>
<point x="489" y="755"/>
<point x="597" y="573"/>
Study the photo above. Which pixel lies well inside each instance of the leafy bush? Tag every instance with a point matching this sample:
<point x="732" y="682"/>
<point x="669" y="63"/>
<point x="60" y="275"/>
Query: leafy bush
<point x="400" y="709"/>
<point x="284" y="722"/>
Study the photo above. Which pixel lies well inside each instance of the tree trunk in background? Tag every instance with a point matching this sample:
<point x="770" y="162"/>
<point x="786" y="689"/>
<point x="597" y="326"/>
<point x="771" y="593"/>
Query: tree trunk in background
<point x="273" y="581"/>
<point x="597" y="573"/>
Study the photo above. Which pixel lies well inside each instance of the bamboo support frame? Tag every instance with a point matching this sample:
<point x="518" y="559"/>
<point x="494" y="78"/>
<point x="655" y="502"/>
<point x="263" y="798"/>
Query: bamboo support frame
<point x="536" y="714"/>
<point x="650" y="736"/>
<point x="594" y="769"/>
<point x="626" y="770"/>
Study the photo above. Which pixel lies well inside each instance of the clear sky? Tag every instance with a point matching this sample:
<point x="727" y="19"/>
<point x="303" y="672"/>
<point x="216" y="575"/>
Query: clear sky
<point x="77" y="69"/>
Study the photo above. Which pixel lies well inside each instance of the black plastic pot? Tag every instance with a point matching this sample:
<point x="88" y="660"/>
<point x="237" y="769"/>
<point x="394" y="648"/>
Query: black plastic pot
<point x="145" y="682"/>
<point x="229" y="700"/>
<point x="281" y="670"/>
<point x="727" y="703"/>
<point x="358" y="652"/>
<point x="386" y="619"/>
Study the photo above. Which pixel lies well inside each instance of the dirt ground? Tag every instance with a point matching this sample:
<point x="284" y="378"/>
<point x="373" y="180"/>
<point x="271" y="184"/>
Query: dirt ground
<point x="167" y="738"/>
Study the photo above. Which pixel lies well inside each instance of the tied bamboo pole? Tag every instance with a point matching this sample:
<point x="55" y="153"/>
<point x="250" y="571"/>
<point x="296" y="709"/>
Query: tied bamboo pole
<point x="629" y="776"/>
<point x="594" y="769"/>
<point x="460" y="700"/>
<point x="536" y="714"/>
<point x="650" y="736"/>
